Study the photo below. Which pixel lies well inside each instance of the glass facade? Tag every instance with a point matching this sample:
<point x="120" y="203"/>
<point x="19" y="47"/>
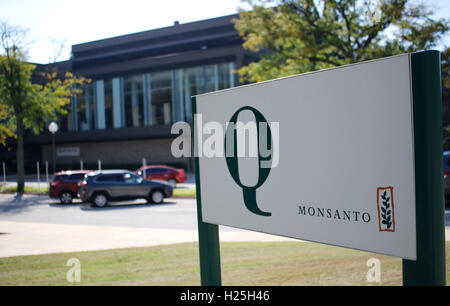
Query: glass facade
<point x="108" y="102"/>
<point x="134" y="101"/>
<point x="157" y="98"/>
<point x="191" y="79"/>
<point x="161" y="97"/>
<point x="85" y="109"/>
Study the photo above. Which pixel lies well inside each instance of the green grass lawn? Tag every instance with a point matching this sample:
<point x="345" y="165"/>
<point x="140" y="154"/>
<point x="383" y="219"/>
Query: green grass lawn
<point x="184" y="193"/>
<point x="27" y="189"/>
<point x="249" y="263"/>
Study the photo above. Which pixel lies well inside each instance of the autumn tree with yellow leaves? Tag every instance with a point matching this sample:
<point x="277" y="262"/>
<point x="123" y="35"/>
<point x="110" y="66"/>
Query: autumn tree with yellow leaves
<point x="25" y="105"/>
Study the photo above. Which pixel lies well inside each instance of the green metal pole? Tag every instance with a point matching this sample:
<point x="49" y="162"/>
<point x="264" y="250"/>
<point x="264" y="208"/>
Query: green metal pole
<point x="208" y="234"/>
<point x="429" y="269"/>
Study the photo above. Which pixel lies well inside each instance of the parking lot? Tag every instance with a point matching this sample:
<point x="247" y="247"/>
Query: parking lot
<point x="173" y="213"/>
<point x="36" y="224"/>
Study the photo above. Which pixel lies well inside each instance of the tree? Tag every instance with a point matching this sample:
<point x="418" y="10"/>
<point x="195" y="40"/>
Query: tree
<point x="25" y="105"/>
<point x="295" y="36"/>
<point x="445" y="70"/>
<point x="445" y="75"/>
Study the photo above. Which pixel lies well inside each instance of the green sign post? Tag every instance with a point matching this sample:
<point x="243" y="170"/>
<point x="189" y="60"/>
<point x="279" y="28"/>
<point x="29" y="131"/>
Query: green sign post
<point x="208" y="234"/>
<point x="429" y="268"/>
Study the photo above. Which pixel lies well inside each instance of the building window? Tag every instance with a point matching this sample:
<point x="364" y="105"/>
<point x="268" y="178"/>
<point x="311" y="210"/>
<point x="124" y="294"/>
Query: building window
<point x="109" y="110"/>
<point x="210" y="78"/>
<point x="85" y="108"/>
<point x="66" y="122"/>
<point x="161" y="97"/>
<point x="157" y="98"/>
<point x="177" y="96"/>
<point x="225" y="74"/>
<point x="191" y="80"/>
<point x="134" y="100"/>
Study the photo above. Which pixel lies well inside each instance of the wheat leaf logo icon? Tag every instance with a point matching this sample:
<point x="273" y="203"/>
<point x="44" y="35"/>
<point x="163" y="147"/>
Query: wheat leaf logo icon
<point x="386" y="209"/>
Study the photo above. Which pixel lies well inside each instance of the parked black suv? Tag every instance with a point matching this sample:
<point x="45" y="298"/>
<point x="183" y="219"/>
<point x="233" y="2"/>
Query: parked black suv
<point x="99" y="187"/>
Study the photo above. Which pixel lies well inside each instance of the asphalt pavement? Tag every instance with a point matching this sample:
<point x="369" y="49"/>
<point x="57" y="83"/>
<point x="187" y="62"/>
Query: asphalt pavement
<point x="34" y="224"/>
<point x="173" y="213"/>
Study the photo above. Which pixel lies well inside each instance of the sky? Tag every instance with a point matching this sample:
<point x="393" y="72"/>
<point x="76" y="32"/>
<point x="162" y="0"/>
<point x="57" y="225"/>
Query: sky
<point x="52" y="23"/>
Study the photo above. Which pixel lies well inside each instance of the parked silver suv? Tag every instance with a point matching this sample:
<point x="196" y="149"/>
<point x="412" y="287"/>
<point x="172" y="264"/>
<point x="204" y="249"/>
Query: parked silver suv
<point x="99" y="187"/>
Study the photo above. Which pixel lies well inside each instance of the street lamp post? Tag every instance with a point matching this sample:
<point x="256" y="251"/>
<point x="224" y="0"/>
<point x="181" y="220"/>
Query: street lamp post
<point x="53" y="128"/>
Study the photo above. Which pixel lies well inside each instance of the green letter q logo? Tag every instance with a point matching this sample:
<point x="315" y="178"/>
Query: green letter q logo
<point x="249" y="192"/>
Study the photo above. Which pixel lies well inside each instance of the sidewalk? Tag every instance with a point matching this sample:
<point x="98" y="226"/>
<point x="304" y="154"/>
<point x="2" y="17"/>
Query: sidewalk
<point x="23" y="238"/>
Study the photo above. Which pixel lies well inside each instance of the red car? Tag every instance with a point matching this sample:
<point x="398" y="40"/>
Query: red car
<point x="64" y="185"/>
<point x="164" y="173"/>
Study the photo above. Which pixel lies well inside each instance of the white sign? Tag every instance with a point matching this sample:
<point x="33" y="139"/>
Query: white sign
<point x="68" y="151"/>
<point x="345" y="171"/>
